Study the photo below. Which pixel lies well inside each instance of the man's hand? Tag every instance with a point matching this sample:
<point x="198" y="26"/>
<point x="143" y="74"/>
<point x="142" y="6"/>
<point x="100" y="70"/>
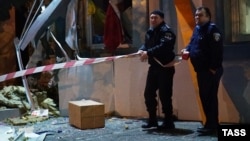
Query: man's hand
<point x="143" y="56"/>
<point x="140" y="52"/>
<point x="184" y="54"/>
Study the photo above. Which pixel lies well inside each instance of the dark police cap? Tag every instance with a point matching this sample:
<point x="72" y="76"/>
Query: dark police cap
<point x="158" y="12"/>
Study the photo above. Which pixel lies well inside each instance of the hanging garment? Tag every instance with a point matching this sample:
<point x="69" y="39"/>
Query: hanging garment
<point x="113" y="34"/>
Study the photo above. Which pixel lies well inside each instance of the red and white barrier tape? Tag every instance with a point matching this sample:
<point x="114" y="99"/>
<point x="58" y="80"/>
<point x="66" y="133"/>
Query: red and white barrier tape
<point x="73" y="63"/>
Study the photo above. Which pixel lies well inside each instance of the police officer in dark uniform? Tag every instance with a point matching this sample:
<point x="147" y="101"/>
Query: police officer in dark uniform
<point x="158" y="51"/>
<point x="206" y="54"/>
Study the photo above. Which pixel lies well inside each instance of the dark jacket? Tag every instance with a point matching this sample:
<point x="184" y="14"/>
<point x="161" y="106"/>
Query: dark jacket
<point x="206" y="48"/>
<point x="159" y="43"/>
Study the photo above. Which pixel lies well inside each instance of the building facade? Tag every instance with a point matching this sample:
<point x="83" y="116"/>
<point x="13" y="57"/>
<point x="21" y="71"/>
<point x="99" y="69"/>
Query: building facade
<point x="231" y="16"/>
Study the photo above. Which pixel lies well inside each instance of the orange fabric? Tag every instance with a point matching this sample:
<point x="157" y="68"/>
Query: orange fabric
<point x="112" y="30"/>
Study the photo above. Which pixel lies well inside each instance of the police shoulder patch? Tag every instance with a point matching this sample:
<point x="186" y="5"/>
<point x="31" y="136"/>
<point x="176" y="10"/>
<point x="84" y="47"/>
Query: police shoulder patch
<point x="168" y="36"/>
<point x="217" y="36"/>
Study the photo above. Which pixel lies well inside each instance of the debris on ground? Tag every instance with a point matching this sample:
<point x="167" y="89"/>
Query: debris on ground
<point x="9" y="133"/>
<point x="25" y="120"/>
<point x="15" y="97"/>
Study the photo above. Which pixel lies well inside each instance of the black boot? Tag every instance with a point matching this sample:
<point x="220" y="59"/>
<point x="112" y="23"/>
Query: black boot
<point x="168" y="123"/>
<point x="152" y="122"/>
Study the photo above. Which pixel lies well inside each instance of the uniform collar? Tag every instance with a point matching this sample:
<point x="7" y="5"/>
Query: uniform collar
<point x="157" y="27"/>
<point x="204" y="25"/>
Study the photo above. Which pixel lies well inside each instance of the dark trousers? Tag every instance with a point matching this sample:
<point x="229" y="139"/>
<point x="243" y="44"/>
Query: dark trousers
<point x="161" y="79"/>
<point x="208" y="90"/>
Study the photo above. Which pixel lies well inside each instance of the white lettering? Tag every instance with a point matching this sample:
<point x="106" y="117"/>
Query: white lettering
<point x="224" y="132"/>
<point x="236" y="132"/>
<point x="243" y="132"/>
<point x="230" y="132"/>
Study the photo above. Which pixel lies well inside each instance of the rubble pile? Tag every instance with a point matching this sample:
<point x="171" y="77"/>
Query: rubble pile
<point x="15" y="97"/>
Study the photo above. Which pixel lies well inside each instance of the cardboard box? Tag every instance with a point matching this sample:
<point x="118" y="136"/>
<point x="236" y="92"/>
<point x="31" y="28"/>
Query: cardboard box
<point x="86" y="114"/>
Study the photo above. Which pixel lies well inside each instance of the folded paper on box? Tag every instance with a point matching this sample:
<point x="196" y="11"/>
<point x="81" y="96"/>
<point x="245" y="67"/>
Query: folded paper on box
<point x="86" y="114"/>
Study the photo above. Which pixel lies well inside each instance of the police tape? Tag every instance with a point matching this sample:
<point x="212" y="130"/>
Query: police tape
<point x="72" y="63"/>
